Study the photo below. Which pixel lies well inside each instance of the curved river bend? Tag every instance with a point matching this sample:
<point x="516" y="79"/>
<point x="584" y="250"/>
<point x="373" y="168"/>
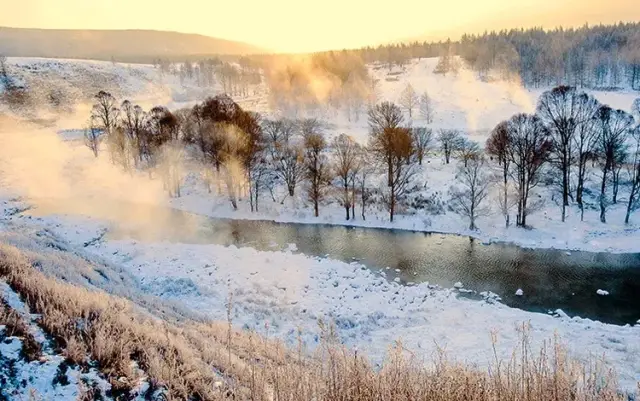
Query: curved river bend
<point x="550" y="279"/>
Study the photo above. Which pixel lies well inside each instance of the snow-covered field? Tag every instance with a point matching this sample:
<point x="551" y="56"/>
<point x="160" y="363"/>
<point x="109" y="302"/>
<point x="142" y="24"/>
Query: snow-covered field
<point x="460" y="101"/>
<point x="281" y="292"/>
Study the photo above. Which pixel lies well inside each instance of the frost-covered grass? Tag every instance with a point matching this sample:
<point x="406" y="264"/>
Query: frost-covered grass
<point x="284" y="295"/>
<point x="131" y="353"/>
<point x="281" y="295"/>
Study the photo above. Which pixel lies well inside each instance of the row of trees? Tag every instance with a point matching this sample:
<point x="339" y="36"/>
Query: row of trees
<point x="245" y="155"/>
<point x="569" y="131"/>
<point x="410" y="101"/>
<point x="235" y="78"/>
<point x="591" y="56"/>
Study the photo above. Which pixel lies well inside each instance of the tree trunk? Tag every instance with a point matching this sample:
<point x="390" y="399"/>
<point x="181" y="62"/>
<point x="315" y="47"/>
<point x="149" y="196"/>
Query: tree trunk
<point x="505" y="172"/>
<point x="346" y="199"/>
<point x="629" y="206"/>
<point x="256" y="194"/>
<point x="392" y="203"/>
<point x="603" y="209"/>
<point x="251" y="197"/>
<point x="472" y="223"/>
<point x="565" y="189"/>
<point x="352" y="199"/>
<point x="363" y="199"/>
<point x="580" y="187"/>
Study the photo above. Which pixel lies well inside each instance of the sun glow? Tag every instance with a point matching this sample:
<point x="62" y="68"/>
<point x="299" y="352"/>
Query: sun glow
<point x="301" y="26"/>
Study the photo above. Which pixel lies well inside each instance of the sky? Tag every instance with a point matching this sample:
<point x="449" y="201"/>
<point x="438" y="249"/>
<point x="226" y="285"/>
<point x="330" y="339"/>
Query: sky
<point x="314" y="25"/>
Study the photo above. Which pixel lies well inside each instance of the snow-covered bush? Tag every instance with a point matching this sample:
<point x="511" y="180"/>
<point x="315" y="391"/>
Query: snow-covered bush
<point x="430" y="204"/>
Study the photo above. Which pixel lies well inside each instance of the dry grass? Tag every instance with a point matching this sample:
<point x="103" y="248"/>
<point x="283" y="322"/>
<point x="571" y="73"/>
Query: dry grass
<point x="211" y="361"/>
<point x="16" y="326"/>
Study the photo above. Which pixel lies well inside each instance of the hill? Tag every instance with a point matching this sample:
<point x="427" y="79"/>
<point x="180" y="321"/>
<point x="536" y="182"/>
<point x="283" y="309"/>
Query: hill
<point x="122" y="45"/>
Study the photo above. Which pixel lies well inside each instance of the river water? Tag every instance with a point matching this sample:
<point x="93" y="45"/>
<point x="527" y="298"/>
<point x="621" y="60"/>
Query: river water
<point x="550" y="279"/>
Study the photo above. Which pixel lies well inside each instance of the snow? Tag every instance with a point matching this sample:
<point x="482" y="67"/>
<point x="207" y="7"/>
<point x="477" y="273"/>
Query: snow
<point x="284" y="290"/>
<point x="460" y="101"/>
<point x="287" y="291"/>
<point x="519" y="292"/>
<point x="602" y="292"/>
<point x="458" y="285"/>
<point x="39" y="379"/>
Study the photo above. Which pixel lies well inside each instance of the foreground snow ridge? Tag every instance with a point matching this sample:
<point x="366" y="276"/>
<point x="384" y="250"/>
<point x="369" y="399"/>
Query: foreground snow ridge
<point x="279" y="293"/>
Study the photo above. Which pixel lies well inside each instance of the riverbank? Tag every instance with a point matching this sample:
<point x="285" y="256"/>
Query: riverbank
<point x="286" y="295"/>
<point x="545" y="228"/>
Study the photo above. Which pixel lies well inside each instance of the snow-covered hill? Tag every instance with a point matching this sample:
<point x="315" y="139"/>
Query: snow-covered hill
<point x="283" y="291"/>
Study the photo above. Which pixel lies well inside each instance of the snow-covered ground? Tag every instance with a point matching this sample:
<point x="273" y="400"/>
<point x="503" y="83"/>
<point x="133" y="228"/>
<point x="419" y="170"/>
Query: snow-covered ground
<point x="280" y="292"/>
<point x="460" y="101"/>
<point x="50" y="376"/>
<point x="547" y="230"/>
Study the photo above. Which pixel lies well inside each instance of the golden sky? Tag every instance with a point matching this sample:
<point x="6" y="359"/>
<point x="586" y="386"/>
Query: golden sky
<point x="311" y="25"/>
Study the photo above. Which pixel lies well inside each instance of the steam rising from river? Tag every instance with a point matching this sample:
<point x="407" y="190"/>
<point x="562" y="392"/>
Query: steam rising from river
<point x="37" y="165"/>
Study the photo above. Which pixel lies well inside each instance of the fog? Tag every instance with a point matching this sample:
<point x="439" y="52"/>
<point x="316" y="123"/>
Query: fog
<point x="37" y="166"/>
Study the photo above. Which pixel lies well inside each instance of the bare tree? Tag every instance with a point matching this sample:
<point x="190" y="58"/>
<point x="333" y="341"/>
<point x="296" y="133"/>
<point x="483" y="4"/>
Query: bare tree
<point x="585" y="141"/>
<point x="468" y="200"/>
<point x="422" y="141"/>
<point x="619" y="162"/>
<point x="317" y="169"/>
<point x="426" y="108"/>
<point x="633" y="170"/>
<point x="468" y="150"/>
<point x="408" y="99"/>
<point x="613" y="128"/>
<point x="346" y="162"/>
<point x="498" y="146"/>
<point x="528" y="150"/>
<point x="133" y="121"/>
<point x="118" y="146"/>
<point x="563" y="109"/>
<point x="384" y="119"/>
<point x="365" y="168"/>
<point x="289" y="166"/>
<point x="310" y="126"/>
<point x="171" y="155"/>
<point x="450" y="140"/>
<point x="277" y="132"/>
<point x="257" y="169"/>
<point x="92" y="137"/>
<point x="400" y="149"/>
<point x="635" y="109"/>
<point x="105" y="111"/>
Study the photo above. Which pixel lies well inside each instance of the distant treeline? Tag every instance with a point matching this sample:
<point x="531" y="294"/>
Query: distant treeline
<point x="602" y="56"/>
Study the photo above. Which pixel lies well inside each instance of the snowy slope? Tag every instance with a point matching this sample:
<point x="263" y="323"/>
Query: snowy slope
<point x="77" y="81"/>
<point x="279" y="293"/>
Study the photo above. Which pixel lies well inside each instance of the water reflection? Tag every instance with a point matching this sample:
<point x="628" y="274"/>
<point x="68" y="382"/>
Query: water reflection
<point x="550" y="279"/>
